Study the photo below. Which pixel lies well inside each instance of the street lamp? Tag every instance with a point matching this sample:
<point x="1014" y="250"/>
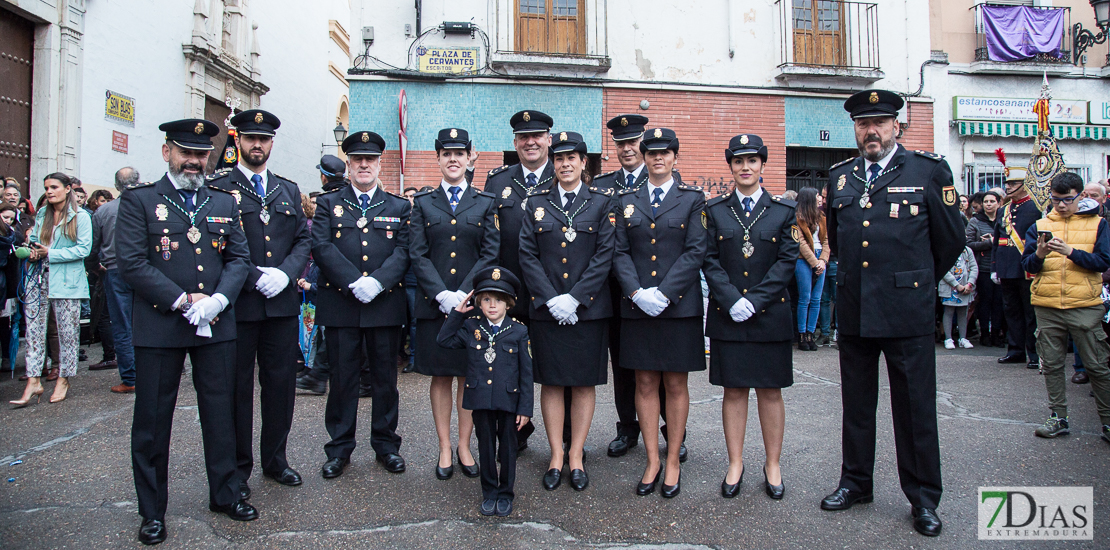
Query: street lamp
<point x="341" y="132"/>
<point x="1085" y="38"/>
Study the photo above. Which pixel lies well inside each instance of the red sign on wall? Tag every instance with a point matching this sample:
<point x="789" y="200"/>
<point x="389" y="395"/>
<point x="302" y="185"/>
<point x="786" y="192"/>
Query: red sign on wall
<point x="119" y="142"/>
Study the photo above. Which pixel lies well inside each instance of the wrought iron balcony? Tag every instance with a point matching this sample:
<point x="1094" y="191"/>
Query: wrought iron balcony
<point x="828" y="34"/>
<point x="1040" y="59"/>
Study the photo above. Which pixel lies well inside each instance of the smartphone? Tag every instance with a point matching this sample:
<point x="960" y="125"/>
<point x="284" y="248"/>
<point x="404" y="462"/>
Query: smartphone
<point x="1046" y="234"/>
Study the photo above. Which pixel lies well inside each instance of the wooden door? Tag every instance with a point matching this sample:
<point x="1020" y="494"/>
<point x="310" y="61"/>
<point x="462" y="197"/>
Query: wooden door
<point x="216" y="111"/>
<point x="17" y="41"/>
<point x="818" y="32"/>
<point x="551" y="26"/>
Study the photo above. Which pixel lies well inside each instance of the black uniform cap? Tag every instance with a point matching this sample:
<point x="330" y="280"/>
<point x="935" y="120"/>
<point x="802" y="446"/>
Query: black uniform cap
<point x="497" y="279"/>
<point x="452" y="138"/>
<point x="565" y="142"/>
<point x="626" y="127"/>
<point x="659" y="139"/>
<point x="527" y="122"/>
<point x="255" y="122"/>
<point x="873" y="103"/>
<point x="191" y="133"/>
<point x="331" y="166"/>
<point x="746" y="144"/>
<point x="363" y="143"/>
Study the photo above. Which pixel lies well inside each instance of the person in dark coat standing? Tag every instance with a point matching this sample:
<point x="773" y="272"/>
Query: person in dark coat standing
<point x="498" y="379"/>
<point x="566" y="251"/>
<point x="180" y="247"/>
<point x="894" y="223"/>
<point x="1016" y="217"/>
<point x="753" y="249"/>
<point x="268" y="306"/>
<point x="454" y="235"/>
<point x="360" y="242"/>
<point x="661" y="244"/>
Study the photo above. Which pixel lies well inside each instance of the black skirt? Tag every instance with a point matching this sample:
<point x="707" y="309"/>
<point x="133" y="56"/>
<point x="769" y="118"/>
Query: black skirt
<point x="751" y="364"/>
<point x="433" y="359"/>
<point x="668" y="345"/>
<point x="570" y="355"/>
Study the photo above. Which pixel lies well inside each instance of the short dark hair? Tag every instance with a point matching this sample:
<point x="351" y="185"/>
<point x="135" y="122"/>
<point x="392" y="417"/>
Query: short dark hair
<point x="1064" y="183"/>
<point x="407" y="189"/>
<point x="978" y="197"/>
<point x="509" y="300"/>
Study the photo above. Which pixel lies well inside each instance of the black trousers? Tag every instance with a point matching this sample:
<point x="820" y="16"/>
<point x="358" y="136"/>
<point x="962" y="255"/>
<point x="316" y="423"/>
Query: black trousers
<point x="345" y="348"/>
<point x="496" y="431"/>
<point x="156" y="384"/>
<point x="989" y="309"/>
<point x="911" y="368"/>
<point x="1021" y="319"/>
<point x="274" y="344"/>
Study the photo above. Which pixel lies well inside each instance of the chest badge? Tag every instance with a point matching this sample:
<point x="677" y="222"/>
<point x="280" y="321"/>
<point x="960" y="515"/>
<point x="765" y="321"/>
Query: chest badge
<point x="795" y="233"/>
<point x="506" y="192"/>
<point x="841" y="181"/>
<point x="894" y="210"/>
<point x="337" y="211"/>
<point x="913" y="209"/>
<point x="490" y="355"/>
<point x="161" y="212"/>
<point x="539" y="213"/>
<point x="629" y="210"/>
<point x="478" y="335"/>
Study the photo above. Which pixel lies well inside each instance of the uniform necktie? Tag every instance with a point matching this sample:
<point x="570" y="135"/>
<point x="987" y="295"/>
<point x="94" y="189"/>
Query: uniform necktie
<point x="187" y="196"/>
<point x="364" y="199"/>
<point x="454" y="196"/>
<point x="531" y="179"/>
<point x="493" y="328"/>
<point x="875" y="169"/>
<point x="631" y="180"/>
<point x="258" y="187"/>
<point x="747" y="204"/>
<point x="658" y="193"/>
<point x="569" y="198"/>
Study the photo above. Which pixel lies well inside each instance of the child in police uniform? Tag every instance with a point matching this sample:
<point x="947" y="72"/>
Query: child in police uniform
<point x="498" y="379"/>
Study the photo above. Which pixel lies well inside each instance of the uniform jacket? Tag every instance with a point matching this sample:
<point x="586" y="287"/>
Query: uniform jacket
<point x="282" y="242"/>
<point x="664" y="250"/>
<point x="152" y="215"/>
<point x="1006" y="261"/>
<point x="506" y="383"/>
<point x="552" y="266"/>
<point x="447" y="248"/>
<point x="762" y="278"/>
<point x="507" y="185"/>
<point x="344" y="252"/>
<point x="894" y="250"/>
<point x="67" y="257"/>
<point x="615" y="181"/>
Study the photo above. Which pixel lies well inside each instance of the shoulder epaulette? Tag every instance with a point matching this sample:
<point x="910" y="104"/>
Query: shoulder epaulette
<point x="487" y="194"/>
<point x="219" y="174"/>
<point x="331" y="191"/>
<point x="422" y="193"/>
<point x="222" y="190"/>
<point x="395" y="195"/>
<point x="842" y="163"/>
<point x="139" y="185"/>
<point x="496" y="171"/>
<point x="283" y="178"/>
<point x="929" y="155"/>
<point x="626" y="191"/>
<point x="785" y="202"/>
<point x="539" y="192"/>
<point x="718" y="199"/>
<point x="606" y="192"/>
<point x="605" y="175"/>
<point x="685" y="187"/>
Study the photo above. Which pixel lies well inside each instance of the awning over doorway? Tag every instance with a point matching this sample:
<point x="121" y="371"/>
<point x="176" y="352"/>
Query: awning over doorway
<point x="1029" y="130"/>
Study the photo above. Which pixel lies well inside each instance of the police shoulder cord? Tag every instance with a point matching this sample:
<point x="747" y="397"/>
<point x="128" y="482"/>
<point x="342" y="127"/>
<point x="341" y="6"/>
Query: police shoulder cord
<point x="748" y="249"/>
<point x="363" y="221"/>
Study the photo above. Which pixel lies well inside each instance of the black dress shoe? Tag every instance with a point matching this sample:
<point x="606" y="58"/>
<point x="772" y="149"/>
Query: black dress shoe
<point x="1033" y="364"/>
<point x="579" y="480"/>
<point x="671" y="491"/>
<point x="621" y="444"/>
<point x="471" y="471"/>
<point x="1081" y="378"/>
<point x="238" y="511"/>
<point x="393" y="462"/>
<point x="288" y="477"/>
<point x="446" y="473"/>
<point x="730" y="491"/>
<point x="244" y="490"/>
<point x="334" y="467"/>
<point x="645" y="489"/>
<point x="408" y="368"/>
<point x="552" y="479"/>
<point x="773" y="491"/>
<point x="926" y="521"/>
<point x="309" y="384"/>
<point x="488" y="507"/>
<point x="842" y="499"/>
<point x="1012" y="357"/>
<point x="365" y="391"/>
<point x="682" y="454"/>
<point x="152" y="531"/>
<point x="504" y="507"/>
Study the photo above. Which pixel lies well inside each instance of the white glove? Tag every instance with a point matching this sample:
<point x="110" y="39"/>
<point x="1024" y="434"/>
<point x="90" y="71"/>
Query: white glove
<point x="647" y="300"/>
<point x="365" y="289"/>
<point x="572" y="319"/>
<point x="272" y="281"/>
<point x="662" y="300"/>
<point x="447" y="301"/>
<point x="204" y="311"/>
<point x="995" y="279"/>
<point x="742" y="310"/>
<point x="461" y="295"/>
<point x="562" y="306"/>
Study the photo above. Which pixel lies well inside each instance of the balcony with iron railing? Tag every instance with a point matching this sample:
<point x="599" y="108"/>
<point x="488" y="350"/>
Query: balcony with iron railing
<point x="825" y="42"/>
<point x="1038" y="63"/>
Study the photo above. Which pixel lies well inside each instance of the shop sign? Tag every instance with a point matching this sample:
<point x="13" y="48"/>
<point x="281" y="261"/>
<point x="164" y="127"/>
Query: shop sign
<point x="119" y="142"/>
<point x="447" y="60"/>
<point x="119" y="108"/>
<point x="1009" y="109"/>
<point x="1100" y="112"/>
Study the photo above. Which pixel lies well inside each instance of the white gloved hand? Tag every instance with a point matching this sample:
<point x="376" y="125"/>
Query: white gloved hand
<point x="204" y="311"/>
<point x="461" y="295"/>
<point x="272" y="281"/>
<point x="570" y="320"/>
<point x="995" y="279"/>
<point x="564" y="305"/>
<point x="447" y="301"/>
<point x="742" y="310"/>
<point x="647" y="300"/>
<point x="365" y="289"/>
<point x="204" y="331"/>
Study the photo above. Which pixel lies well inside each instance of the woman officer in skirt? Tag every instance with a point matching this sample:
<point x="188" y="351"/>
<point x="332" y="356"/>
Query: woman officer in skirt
<point x="453" y="232"/>
<point x="661" y="244"/>
<point x="566" y="251"/>
<point x="753" y="246"/>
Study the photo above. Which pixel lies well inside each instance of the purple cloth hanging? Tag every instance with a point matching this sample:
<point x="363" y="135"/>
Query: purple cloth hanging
<point x="1021" y="32"/>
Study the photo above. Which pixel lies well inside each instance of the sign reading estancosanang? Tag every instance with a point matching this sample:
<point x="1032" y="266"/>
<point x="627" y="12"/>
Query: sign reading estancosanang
<point x="1036" y="513"/>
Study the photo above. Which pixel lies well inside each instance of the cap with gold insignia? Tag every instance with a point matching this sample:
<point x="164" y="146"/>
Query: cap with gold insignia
<point x="497" y="279"/>
<point x="873" y="103"/>
<point x="659" y="139"/>
<point x="565" y="142"/>
<point x="452" y="138"/>
<point x="527" y="122"/>
<point x="255" y="122"/>
<point x="363" y="143"/>
<point x="626" y="127"/>
<point x="191" y="133"/>
<point x="746" y="144"/>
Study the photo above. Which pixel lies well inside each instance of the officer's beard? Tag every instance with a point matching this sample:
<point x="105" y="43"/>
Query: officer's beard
<point x="255" y="158"/>
<point x="883" y="151"/>
<point x="188" y="182"/>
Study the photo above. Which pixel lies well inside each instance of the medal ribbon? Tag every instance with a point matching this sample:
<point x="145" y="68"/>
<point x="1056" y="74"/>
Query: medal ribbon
<point x="492" y="337"/>
<point x="747" y="228"/>
<point x="570" y="217"/>
<point x="364" y="210"/>
<point x="261" y="198"/>
<point x="528" y="190"/>
<point x="192" y="215"/>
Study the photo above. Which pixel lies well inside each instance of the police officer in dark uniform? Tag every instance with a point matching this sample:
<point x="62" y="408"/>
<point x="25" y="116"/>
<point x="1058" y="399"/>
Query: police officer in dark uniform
<point x="1014" y="221"/>
<point x="360" y="243"/>
<point x="180" y="247"/>
<point x="268" y="306"/>
<point x="894" y="223"/>
<point x="333" y="173"/>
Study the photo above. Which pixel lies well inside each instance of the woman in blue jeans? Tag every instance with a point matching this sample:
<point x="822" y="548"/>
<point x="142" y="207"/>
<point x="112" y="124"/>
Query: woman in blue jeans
<point x="809" y="270"/>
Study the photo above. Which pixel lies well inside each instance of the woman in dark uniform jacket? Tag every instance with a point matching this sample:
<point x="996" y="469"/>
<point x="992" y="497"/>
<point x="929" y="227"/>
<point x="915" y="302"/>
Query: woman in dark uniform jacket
<point x="566" y="251"/>
<point x="453" y="235"/>
<point x="753" y="245"/>
<point x="661" y="244"/>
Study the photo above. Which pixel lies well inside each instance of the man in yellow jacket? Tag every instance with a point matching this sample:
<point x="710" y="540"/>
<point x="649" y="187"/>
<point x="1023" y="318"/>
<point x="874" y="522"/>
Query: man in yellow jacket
<point x="1068" y="250"/>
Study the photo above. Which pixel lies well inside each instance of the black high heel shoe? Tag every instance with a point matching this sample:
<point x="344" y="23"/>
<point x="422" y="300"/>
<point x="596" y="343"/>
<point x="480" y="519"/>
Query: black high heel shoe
<point x="773" y="491"/>
<point x="470" y="471"/>
<point x="731" y="490"/>
<point x="444" y="473"/>
<point x="671" y="491"/>
<point x="644" y="489"/>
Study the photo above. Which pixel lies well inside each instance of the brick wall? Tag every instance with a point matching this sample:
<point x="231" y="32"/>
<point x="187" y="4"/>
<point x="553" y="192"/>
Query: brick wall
<point x="919" y="135"/>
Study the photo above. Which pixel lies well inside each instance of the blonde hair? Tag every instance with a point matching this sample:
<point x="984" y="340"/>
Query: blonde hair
<point x="46" y="230"/>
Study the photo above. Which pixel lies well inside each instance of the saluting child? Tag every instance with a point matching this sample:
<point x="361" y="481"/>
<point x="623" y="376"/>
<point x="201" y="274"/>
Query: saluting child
<point x="498" y="379"/>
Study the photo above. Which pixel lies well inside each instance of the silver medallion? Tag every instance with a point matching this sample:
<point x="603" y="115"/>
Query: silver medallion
<point x="490" y="354"/>
<point x="524" y="205"/>
<point x="193" y="235"/>
<point x="361" y="222"/>
<point x="264" y="215"/>
<point x="571" y="234"/>
<point x="864" y="200"/>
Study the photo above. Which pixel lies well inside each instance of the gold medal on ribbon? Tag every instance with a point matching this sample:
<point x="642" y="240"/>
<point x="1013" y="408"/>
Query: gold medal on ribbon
<point x="506" y="192"/>
<point x="629" y="210"/>
<point x="841" y="181"/>
<point x="539" y="213"/>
